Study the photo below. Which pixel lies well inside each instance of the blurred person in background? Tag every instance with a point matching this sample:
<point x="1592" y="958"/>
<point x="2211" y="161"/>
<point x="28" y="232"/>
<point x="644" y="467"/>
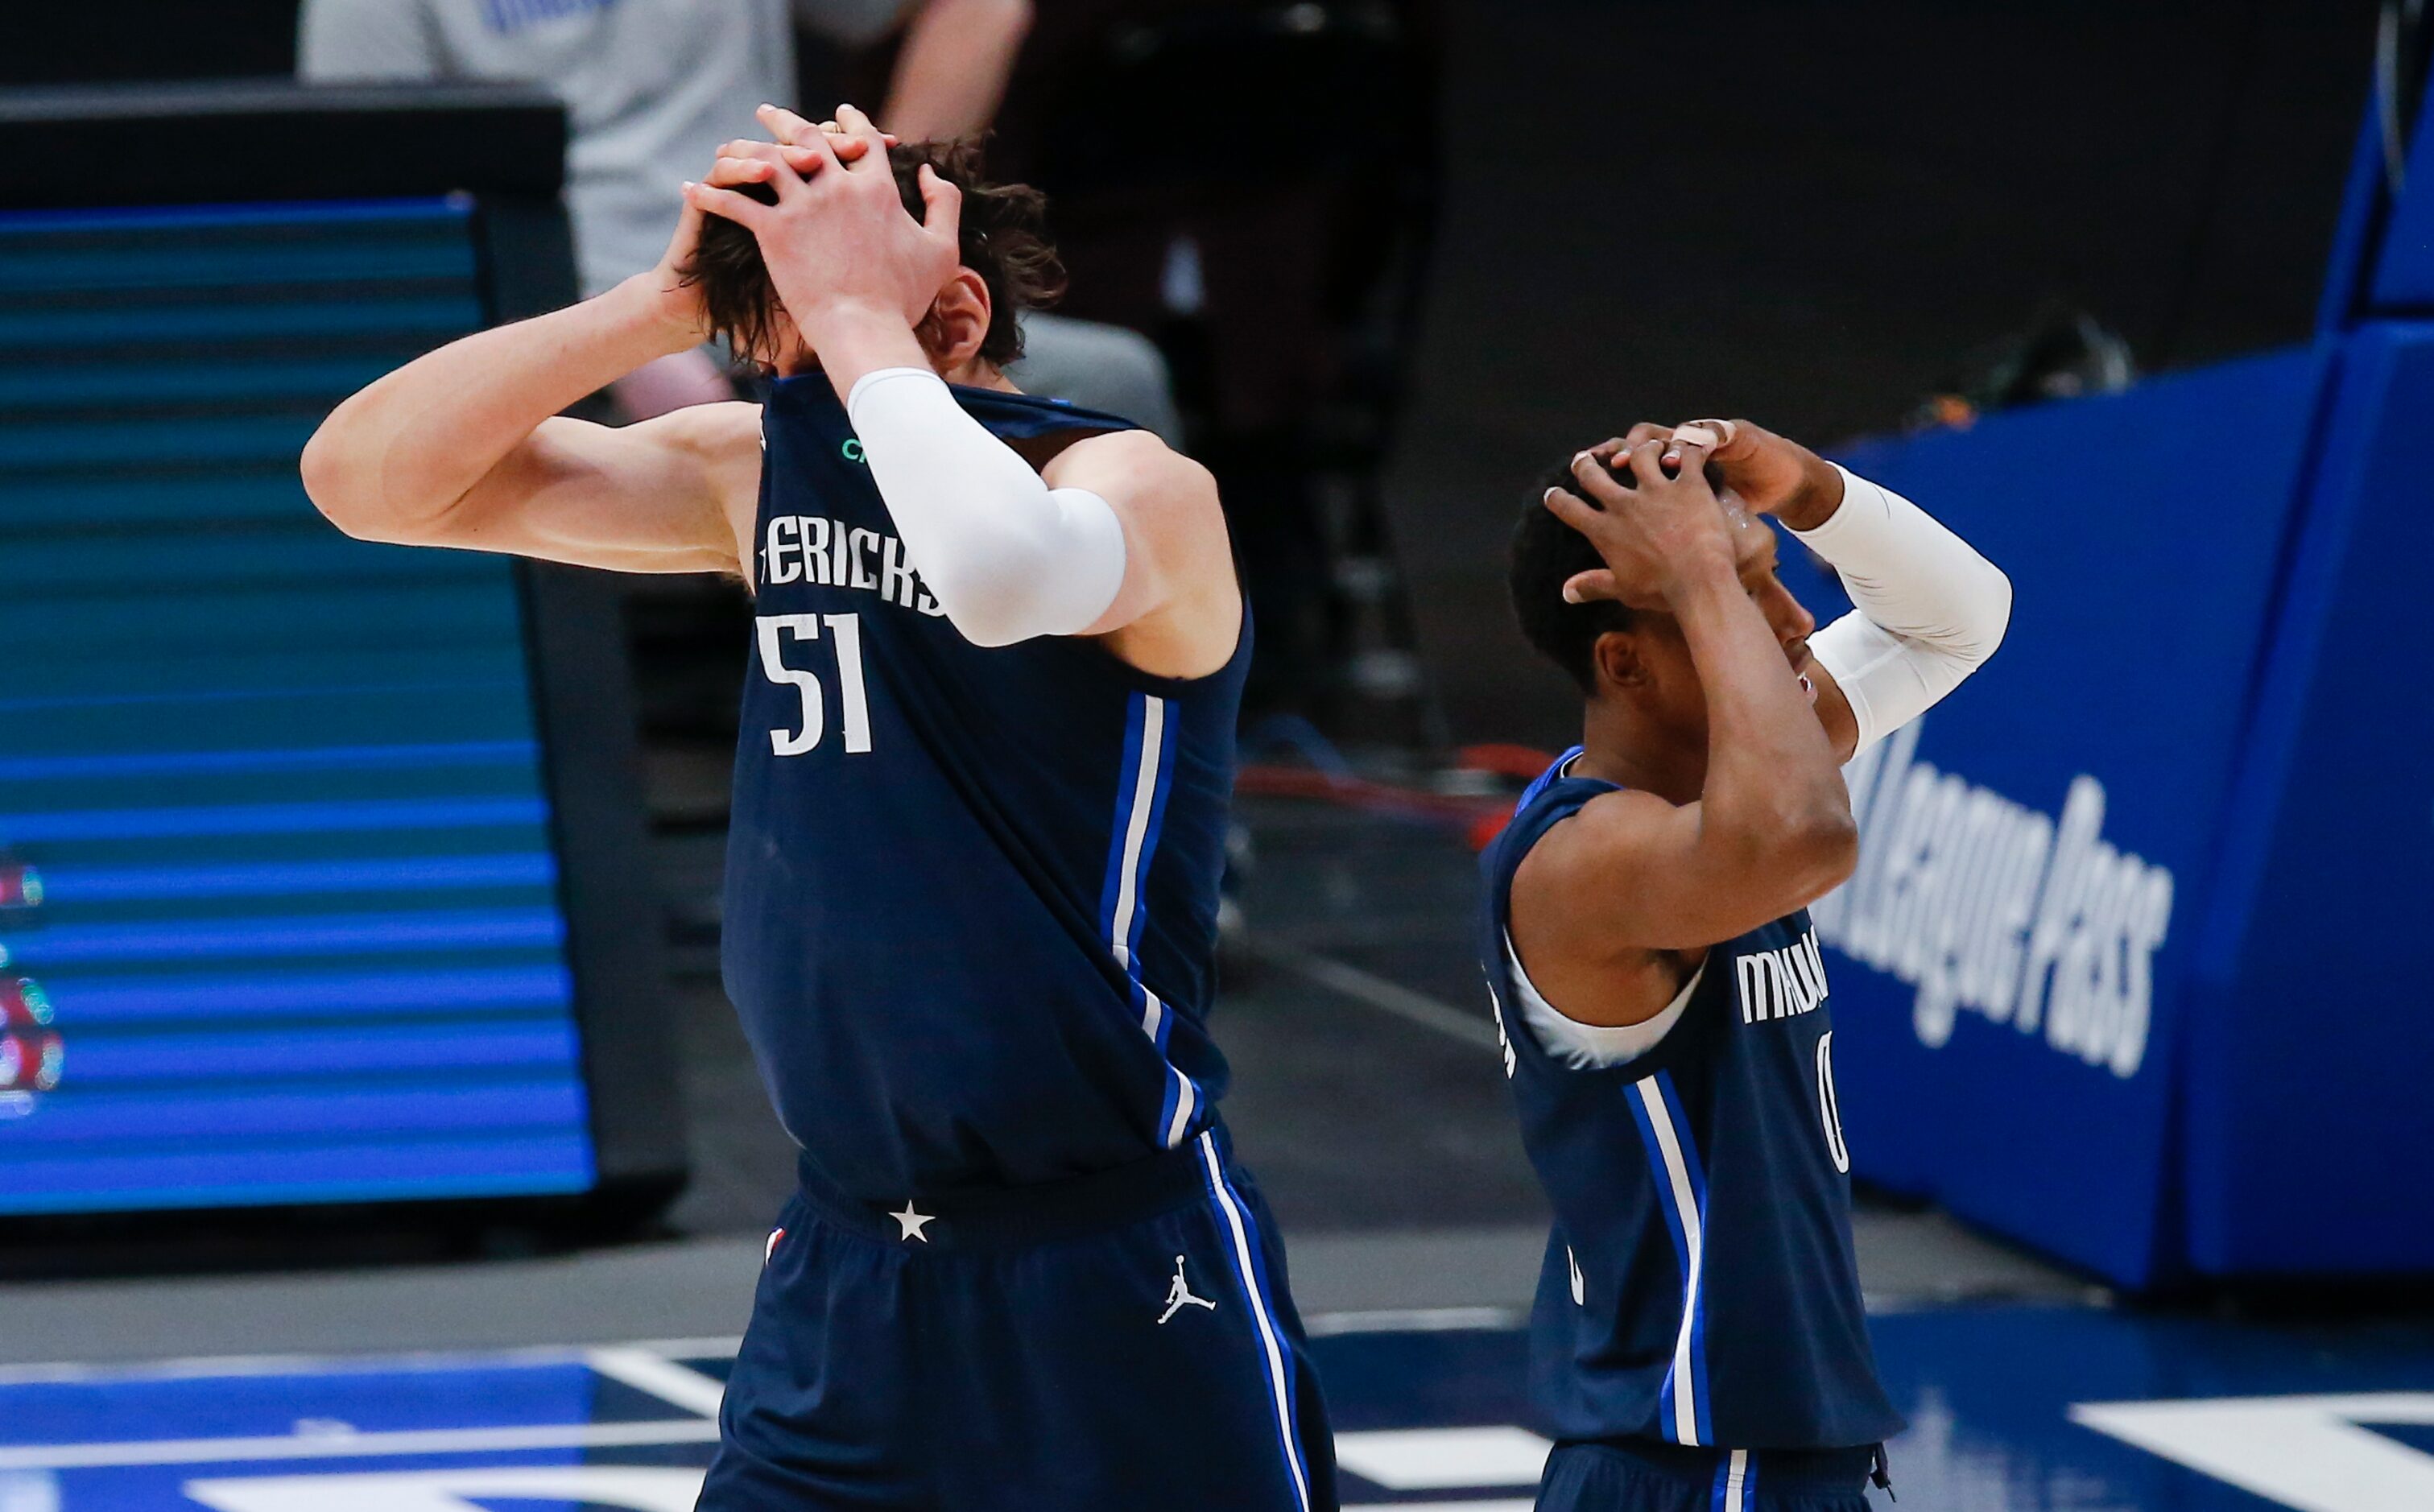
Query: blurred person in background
<point x="1699" y="1340"/>
<point x="650" y="85"/>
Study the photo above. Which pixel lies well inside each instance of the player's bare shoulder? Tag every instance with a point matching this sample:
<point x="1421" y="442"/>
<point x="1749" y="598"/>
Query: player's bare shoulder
<point x="1134" y="466"/>
<point x="1182" y="617"/>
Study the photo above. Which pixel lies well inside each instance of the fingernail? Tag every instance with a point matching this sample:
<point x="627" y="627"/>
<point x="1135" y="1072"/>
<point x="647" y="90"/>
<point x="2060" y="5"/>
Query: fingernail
<point x="1577" y="455"/>
<point x="1572" y="595"/>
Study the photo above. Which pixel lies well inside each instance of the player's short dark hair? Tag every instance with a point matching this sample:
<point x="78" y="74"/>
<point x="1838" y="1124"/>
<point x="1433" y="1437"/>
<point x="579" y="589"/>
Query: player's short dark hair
<point x="1546" y="554"/>
<point x="1004" y="240"/>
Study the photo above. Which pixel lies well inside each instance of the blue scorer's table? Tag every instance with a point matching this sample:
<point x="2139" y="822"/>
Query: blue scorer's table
<point x="2131" y="967"/>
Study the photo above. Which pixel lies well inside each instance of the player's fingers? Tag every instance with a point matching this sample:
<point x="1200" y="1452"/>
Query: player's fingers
<point x="819" y="150"/>
<point x="1645" y="430"/>
<point x="838" y="136"/>
<point x="742" y="209"/>
<point x="858" y="127"/>
<point x="786" y="166"/>
<point x="1727" y="439"/>
<point x="728" y="172"/>
<point x="1702" y="433"/>
<point x="784" y="124"/>
<point x="1591" y="586"/>
<point x="942" y="205"/>
<point x="1687" y="456"/>
<point x="1572" y="509"/>
<point x="1596" y="478"/>
<point x="1647" y="460"/>
<point x="688" y="219"/>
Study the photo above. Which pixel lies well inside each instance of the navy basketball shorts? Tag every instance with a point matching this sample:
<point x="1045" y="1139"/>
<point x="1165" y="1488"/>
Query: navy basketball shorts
<point x="1121" y="1341"/>
<point x="1657" y="1477"/>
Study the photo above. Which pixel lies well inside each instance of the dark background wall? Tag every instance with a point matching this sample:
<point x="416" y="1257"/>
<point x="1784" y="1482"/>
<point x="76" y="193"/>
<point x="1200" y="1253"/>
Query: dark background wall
<point x="1808" y="213"/>
<point x="136" y="40"/>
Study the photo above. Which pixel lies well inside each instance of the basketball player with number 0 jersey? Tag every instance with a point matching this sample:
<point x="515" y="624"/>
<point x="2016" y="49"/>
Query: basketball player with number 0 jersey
<point x="1698" y="1342"/>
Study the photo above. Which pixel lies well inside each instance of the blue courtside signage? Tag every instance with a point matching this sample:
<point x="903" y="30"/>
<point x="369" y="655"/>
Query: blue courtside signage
<point x="2009" y="958"/>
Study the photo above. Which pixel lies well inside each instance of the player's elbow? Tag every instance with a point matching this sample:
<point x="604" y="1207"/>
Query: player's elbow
<point x="1978" y="631"/>
<point x="337" y="482"/>
<point x="1795" y="851"/>
<point x="349" y="473"/>
<point x="1994" y="615"/>
<point x="994" y="609"/>
<point x="1822" y="851"/>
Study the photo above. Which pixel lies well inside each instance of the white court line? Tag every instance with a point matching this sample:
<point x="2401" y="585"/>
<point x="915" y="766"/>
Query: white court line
<point x="1444" y="1459"/>
<point x="1510" y="1503"/>
<point x="658" y="1376"/>
<point x="355" y="1446"/>
<point x="725" y="1347"/>
<point x="195" y="1367"/>
<point x="208" y="1366"/>
<point x="1378" y="992"/>
<point x="1413" y="1320"/>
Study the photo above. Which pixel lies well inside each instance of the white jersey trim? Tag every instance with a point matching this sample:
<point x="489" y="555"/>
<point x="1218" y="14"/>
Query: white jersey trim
<point x="1686" y="1213"/>
<point x="1586" y="1046"/>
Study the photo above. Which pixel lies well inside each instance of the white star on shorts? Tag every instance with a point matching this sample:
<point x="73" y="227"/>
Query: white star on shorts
<point x="911" y="1223"/>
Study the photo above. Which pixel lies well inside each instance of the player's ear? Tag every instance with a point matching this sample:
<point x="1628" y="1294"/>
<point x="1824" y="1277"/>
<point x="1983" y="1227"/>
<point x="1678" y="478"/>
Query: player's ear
<point x="958" y="322"/>
<point x="1620" y="663"/>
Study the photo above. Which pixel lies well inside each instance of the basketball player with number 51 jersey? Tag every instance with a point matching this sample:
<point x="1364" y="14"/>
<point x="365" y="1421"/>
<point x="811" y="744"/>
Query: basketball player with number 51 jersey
<point x="1698" y="1342"/>
<point x="987" y="736"/>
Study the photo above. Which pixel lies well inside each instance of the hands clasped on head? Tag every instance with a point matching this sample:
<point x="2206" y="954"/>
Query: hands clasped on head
<point x="832" y="227"/>
<point x="1648" y="497"/>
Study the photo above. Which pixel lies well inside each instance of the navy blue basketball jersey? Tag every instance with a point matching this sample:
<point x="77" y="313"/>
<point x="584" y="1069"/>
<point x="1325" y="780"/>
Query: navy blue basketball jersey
<point x="972" y="893"/>
<point x="1699" y="1286"/>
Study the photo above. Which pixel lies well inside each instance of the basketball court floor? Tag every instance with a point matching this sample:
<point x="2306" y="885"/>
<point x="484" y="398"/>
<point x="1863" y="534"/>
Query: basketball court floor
<point x="1369" y="1101"/>
<point x="2012" y="1409"/>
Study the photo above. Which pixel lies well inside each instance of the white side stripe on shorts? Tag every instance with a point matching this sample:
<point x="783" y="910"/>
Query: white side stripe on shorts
<point x="1736" y="1481"/>
<point x="1223" y="1195"/>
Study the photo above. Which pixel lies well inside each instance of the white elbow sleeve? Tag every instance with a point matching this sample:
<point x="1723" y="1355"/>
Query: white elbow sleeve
<point x="1927" y="609"/>
<point x="1005" y="556"/>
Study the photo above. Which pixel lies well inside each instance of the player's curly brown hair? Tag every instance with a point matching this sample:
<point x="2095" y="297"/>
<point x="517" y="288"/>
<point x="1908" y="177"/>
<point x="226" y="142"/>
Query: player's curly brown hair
<point x="1004" y="240"/>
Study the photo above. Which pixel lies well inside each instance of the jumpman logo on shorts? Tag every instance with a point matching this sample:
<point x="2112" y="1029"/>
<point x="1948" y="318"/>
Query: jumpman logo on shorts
<point x="1178" y="1295"/>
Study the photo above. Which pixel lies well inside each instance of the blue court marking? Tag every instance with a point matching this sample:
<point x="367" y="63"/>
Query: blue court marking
<point x="2011" y="1410"/>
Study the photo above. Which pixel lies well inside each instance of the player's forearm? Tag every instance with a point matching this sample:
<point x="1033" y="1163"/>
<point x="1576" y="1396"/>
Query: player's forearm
<point x="952" y="71"/>
<point x="399" y="455"/>
<point x="1773" y="793"/>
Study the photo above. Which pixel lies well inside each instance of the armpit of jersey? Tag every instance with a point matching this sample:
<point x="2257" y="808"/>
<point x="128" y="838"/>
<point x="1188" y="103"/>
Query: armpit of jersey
<point x="1586" y="1046"/>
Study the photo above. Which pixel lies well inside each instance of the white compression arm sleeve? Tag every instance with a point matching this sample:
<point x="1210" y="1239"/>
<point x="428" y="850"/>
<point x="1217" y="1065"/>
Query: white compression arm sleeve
<point x="1007" y="556"/>
<point x="1928" y="611"/>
